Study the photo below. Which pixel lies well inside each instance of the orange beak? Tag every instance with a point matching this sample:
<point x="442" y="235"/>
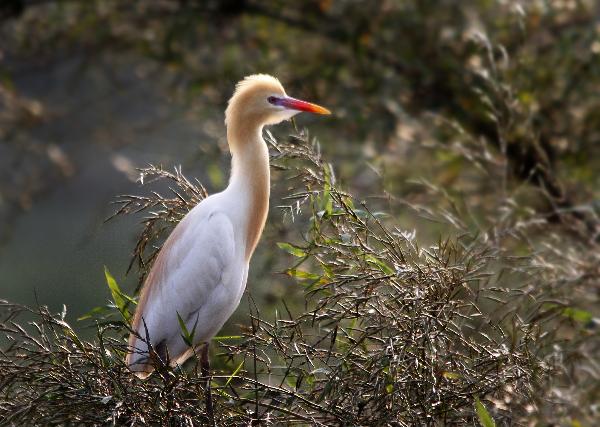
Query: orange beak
<point x="299" y="105"/>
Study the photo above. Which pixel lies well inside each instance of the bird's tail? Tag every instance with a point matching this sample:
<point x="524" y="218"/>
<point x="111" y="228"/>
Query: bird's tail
<point x="138" y="359"/>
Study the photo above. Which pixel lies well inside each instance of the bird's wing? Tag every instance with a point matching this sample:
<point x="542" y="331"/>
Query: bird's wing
<point x="196" y="277"/>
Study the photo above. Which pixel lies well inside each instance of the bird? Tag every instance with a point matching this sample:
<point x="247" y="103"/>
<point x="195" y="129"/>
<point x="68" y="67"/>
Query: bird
<point x="200" y="273"/>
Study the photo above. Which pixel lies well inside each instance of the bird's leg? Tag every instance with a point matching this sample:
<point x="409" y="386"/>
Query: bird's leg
<point x="205" y="371"/>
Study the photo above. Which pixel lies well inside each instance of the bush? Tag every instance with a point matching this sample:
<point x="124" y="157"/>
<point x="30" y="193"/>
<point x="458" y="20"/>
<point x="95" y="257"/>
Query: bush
<point x="392" y="332"/>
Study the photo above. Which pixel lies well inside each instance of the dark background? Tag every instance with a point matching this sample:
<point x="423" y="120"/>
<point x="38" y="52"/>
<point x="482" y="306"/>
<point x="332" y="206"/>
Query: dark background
<point x="91" y="90"/>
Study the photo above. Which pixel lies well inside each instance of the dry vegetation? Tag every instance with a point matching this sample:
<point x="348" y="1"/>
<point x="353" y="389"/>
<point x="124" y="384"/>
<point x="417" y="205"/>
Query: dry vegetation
<point x="463" y="283"/>
<point x="391" y="332"/>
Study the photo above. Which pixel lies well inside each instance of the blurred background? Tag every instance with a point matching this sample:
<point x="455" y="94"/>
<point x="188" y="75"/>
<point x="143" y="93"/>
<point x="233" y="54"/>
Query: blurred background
<point x="91" y="90"/>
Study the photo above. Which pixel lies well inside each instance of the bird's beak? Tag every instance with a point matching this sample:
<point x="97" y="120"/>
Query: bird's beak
<point x="299" y="105"/>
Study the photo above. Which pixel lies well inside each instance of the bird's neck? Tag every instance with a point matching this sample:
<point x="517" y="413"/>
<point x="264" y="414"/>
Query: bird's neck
<point x="250" y="180"/>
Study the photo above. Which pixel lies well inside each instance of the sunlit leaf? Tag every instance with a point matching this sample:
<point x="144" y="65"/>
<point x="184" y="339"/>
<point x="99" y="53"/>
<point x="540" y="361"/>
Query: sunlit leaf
<point x="451" y="375"/>
<point x="228" y="337"/>
<point x="300" y="274"/>
<point x="291" y="249"/>
<point x="234" y="373"/>
<point x="94" y="312"/>
<point x="120" y="299"/>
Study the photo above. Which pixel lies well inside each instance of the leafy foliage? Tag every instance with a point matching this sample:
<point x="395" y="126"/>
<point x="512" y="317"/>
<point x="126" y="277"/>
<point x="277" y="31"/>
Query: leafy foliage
<point x="390" y="331"/>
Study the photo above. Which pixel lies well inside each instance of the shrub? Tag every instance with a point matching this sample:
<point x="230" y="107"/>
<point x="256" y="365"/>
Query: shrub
<point x="391" y="332"/>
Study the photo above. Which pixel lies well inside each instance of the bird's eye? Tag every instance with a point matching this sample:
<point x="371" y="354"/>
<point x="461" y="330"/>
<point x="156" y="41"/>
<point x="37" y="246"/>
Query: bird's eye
<point x="273" y="100"/>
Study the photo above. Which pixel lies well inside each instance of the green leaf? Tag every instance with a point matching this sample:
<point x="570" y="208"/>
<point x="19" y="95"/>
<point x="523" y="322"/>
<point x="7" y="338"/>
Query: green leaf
<point x="389" y="388"/>
<point x="228" y="337"/>
<point x="188" y="337"/>
<point x="119" y="298"/>
<point x="300" y="274"/>
<point x="348" y="201"/>
<point x="327" y="271"/>
<point x="234" y="373"/>
<point x="578" y="315"/>
<point x="451" y="375"/>
<point x="184" y="331"/>
<point x="115" y="290"/>
<point x="292" y="249"/>
<point x="93" y="312"/>
<point x="485" y="419"/>
<point x="327" y="201"/>
<point x="382" y="265"/>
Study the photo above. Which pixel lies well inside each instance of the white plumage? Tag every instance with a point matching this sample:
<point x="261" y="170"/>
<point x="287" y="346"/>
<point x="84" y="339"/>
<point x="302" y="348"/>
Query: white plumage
<point x="203" y="279"/>
<point x="200" y="273"/>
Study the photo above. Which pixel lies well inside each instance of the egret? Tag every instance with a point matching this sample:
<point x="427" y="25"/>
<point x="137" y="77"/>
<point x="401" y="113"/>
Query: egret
<point x="200" y="273"/>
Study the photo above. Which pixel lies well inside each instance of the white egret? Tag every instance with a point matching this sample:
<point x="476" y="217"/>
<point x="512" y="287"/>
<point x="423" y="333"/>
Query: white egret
<point x="200" y="274"/>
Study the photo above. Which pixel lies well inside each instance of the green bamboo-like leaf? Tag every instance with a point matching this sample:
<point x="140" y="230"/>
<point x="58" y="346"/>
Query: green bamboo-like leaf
<point x="115" y="290"/>
<point x="93" y="312"/>
<point x="187" y="335"/>
<point x="119" y="298"/>
<point x="301" y="274"/>
<point x="327" y="201"/>
<point x="234" y="373"/>
<point x="327" y="271"/>
<point x="382" y="265"/>
<point x="485" y="419"/>
<point x="578" y="315"/>
<point x="228" y="337"/>
<point x="298" y="252"/>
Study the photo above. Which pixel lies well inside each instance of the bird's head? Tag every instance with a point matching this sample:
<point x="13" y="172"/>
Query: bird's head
<point x="261" y="100"/>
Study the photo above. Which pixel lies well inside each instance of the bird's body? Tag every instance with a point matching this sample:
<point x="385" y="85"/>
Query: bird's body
<point x="200" y="274"/>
